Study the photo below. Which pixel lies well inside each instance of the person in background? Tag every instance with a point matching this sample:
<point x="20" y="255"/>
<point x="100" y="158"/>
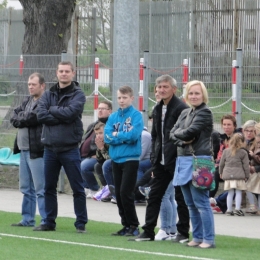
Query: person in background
<point x="60" y="111"/>
<point x="101" y="156"/>
<point x="28" y="143"/>
<point x="192" y="135"/>
<point x="234" y="170"/>
<point x="253" y="183"/>
<point x="123" y="135"/>
<point x="88" y="149"/>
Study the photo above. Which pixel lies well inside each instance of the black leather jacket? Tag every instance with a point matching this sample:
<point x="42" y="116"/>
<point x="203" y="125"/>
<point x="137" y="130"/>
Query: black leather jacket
<point x="174" y="109"/>
<point x="196" y="125"/>
<point x="21" y="119"/>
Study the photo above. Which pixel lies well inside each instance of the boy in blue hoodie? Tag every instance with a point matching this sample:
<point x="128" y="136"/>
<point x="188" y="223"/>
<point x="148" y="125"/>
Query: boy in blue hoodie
<point x="123" y="134"/>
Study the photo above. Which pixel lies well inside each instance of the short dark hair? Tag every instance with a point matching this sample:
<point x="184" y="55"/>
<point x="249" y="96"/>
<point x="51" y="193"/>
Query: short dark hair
<point x="126" y="90"/>
<point x="66" y="63"/>
<point x="108" y="103"/>
<point x="39" y="76"/>
<point x="229" y="117"/>
<point x="98" y="126"/>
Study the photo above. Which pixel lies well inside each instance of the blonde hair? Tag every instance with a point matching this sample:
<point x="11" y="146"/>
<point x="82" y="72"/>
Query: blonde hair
<point x="257" y="128"/>
<point x="236" y="142"/>
<point x="203" y="89"/>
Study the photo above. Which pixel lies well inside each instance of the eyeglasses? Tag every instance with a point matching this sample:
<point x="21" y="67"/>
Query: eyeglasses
<point x="102" y="108"/>
<point x="249" y="131"/>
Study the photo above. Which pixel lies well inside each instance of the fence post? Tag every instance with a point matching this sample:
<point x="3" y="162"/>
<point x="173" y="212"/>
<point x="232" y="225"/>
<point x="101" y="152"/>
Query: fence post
<point x="141" y="86"/>
<point x="239" y="86"/>
<point x="96" y="89"/>
<point x="146" y="78"/>
<point x="185" y="76"/>
<point x="234" y="87"/>
<point x="21" y="65"/>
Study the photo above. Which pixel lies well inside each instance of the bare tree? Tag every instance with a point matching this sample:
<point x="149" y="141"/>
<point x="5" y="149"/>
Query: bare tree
<point x="47" y="31"/>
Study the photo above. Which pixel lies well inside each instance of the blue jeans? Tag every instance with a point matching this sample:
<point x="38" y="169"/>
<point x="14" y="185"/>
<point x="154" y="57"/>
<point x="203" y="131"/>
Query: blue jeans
<point x="31" y="184"/>
<point x="168" y="210"/>
<point x="87" y="172"/>
<point x="53" y="162"/>
<point x="107" y="172"/>
<point x="201" y="214"/>
<point x="144" y="166"/>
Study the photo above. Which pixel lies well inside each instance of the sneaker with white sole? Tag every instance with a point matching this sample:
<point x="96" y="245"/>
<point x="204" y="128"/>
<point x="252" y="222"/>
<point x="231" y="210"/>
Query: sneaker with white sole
<point x="91" y="194"/>
<point x="239" y="212"/>
<point x="229" y="213"/>
<point x="180" y="239"/>
<point x="216" y="209"/>
<point x="142" y="237"/>
<point x="252" y="209"/>
<point x="213" y="202"/>
<point x="145" y="191"/>
<point x="132" y="231"/>
<point x="162" y="235"/>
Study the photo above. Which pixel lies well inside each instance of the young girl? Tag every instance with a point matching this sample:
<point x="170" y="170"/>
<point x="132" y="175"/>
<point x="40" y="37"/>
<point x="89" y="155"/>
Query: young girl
<point x="253" y="183"/>
<point x="234" y="170"/>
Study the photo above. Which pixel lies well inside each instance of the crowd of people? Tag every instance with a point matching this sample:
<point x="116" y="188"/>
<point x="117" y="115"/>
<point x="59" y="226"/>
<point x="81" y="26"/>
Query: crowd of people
<point x="117" y="160"/>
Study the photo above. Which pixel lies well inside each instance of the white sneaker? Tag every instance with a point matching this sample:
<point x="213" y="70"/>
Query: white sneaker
<point x="212" y="202"/>
<point x="91" y="193"/>
<point x="162" y="235"/>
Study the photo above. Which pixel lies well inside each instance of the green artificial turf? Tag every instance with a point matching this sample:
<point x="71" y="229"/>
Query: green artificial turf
<point x="22" y="243"/>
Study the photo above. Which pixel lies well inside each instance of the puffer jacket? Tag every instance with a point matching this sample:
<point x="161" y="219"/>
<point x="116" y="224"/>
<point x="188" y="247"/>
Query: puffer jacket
<point x="174" y="109"/>
<point x="196" y="125"/>
<point x="61" y="117"/>
<point x="21" y="119"/>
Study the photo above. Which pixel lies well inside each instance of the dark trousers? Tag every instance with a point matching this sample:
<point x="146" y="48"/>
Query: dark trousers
<point x="53" y="162"/>
<point x="98" y="170"/>
<point x="125" y="175"/>
<point x="183" y="225"/>
<point x="212" y="193"/>
<point x="160" y="182"/>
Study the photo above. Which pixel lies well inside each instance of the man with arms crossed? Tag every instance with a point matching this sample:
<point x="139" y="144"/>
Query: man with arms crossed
<point x="60" y="112"/>
<point x="28" y="143"/>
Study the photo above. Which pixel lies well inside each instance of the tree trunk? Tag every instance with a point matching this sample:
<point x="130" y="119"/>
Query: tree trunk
<point x="47" y="32"/>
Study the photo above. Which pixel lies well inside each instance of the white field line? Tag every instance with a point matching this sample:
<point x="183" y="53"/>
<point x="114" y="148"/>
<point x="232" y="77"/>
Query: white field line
<point x="108" y="247"/>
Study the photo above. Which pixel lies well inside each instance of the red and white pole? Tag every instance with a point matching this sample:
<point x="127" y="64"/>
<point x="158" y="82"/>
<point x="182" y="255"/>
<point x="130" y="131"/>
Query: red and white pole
<point x="21" y="65"/>
<point x="185" y="76"/>
<point x="96" y="69"/>
<point x="234" y="87"/>
<point x="141" y="86"/>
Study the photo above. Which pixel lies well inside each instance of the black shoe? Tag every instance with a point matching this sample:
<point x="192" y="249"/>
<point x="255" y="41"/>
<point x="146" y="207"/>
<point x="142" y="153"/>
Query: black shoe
<point x="81" y="229"/>
<point x="142" y="237"/>
<point x="112" y="190"/>
<point x="132" y="231"/>
<point x="44" y="227"/>
<point x="18" y="225"/>
<point x="107" y="199"/>
<point x="180" y="239"/>
<point x="121" y="232"/>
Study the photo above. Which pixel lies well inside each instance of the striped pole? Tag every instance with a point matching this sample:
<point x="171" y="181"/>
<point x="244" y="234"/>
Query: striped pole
<point x="21" y="65"/>
<point x="141" y="86"/>
<point x="234" y="86"/>
<point x="185" y="76"/>
<point x="96" y="89"/>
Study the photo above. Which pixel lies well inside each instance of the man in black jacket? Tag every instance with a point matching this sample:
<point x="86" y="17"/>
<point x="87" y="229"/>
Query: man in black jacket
<point x="28" y="143"/>
<point x="60" y="111"/>
<point x="163" y="157"/>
